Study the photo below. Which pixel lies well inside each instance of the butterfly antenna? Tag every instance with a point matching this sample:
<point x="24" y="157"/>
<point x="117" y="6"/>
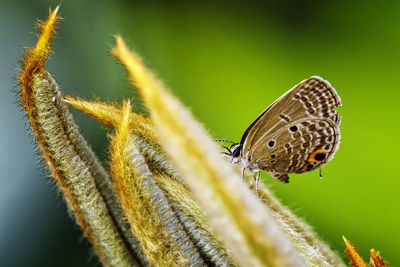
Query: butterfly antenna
<point x="320" y="173"/>
<point x="222" y="140"/>
<point x="229" y="151"/>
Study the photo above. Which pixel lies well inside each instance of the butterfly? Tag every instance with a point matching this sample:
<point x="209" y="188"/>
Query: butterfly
<point x="298" y="133"/>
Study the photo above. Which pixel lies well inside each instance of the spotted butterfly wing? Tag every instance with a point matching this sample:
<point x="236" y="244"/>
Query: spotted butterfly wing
<point x="299" y="132"/>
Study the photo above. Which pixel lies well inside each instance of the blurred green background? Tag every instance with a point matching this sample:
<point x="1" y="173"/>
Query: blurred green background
<point x="226" y="61"/>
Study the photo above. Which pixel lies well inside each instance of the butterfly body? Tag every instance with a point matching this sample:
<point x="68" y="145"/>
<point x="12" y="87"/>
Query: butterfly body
<point x="298" y="133"/>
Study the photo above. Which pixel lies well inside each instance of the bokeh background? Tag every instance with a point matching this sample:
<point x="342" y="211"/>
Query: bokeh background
<point x="226" y="61"/>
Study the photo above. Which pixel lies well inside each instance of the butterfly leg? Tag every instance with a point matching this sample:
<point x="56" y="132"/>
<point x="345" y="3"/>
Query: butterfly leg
<point x="257" y="180"/>
<point x="242" y="173"/>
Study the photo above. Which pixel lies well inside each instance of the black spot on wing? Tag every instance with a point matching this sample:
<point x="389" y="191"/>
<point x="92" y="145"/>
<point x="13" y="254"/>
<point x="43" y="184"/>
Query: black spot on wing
<point x="320" y="156"/>
<point x="271" y="143"/>
<point x="284" y="178"/>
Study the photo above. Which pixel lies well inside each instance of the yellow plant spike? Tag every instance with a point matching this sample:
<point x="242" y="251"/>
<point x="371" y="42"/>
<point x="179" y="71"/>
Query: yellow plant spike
<point x="36" y="57"/>
<point x="355" y="259"/>
<point x="110" y="114"/>
<point x="377" y="260"/>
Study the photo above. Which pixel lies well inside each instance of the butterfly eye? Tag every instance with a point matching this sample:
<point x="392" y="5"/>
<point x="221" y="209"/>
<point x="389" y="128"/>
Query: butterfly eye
<point x="235" y="150"/>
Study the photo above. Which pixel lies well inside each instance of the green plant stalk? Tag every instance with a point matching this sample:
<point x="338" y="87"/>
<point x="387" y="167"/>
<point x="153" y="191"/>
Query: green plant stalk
<point x="167" y="189"/>
<point x="102" y="180"/>
<point x="74" y="172"/>
<point x="196" y="223"/>
<point x="144" y="206"/>
<point x="156" y="159"/>
<point x="165" y="211"/>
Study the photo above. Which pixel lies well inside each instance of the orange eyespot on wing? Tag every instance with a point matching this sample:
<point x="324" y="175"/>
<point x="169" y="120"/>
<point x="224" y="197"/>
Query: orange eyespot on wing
<point x="314" y="160"/>
<point x="317" y="156"/>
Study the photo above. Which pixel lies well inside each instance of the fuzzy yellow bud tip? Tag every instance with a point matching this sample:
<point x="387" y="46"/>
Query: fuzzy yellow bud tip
<point x="377" y="260"/>
<point x="141" y="77"/>
<point x="352" y="253"/>
<point x="42" y="48"/>
<point x="357" y="261"/>
<point x="36" y="56"/>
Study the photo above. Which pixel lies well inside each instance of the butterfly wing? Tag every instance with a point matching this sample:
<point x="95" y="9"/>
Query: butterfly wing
<point x="312" y="102"/>
<point x="305" y="145"/>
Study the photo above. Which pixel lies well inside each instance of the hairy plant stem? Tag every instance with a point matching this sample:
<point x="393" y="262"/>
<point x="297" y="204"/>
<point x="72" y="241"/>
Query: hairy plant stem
<point x="186" y="212"/>
<point x="75" y="168"/>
